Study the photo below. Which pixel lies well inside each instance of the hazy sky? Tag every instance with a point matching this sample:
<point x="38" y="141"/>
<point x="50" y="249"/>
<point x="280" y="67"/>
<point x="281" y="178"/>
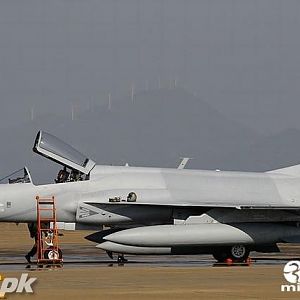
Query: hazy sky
<point x="242" y="56"/>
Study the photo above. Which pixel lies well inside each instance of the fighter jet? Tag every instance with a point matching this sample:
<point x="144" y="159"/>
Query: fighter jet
<point x="161" y="210"/>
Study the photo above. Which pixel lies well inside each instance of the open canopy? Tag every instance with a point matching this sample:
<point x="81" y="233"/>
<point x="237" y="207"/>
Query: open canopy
<point x="55" y="149"/>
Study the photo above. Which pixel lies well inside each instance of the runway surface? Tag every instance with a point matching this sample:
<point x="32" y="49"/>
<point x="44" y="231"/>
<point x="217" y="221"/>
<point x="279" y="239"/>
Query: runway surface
<point x="88" y="273"/>
<point x="102" y="260"/>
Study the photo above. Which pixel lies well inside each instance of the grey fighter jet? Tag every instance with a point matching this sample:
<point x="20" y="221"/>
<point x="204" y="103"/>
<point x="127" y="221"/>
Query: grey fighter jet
<point x="162" y="211"/>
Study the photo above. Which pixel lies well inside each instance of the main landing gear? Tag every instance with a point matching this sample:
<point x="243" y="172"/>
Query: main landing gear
<point x="233" y="254"/>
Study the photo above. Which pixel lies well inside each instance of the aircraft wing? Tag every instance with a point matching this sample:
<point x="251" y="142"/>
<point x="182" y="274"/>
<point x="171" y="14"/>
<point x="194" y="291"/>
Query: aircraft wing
<point x="202" y="204"/>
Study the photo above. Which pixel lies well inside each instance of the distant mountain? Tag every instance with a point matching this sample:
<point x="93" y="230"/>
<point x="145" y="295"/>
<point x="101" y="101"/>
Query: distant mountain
<point x="155" y="129"/>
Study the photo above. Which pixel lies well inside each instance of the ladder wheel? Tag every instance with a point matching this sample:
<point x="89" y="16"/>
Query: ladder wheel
<point x="53" y="254"/>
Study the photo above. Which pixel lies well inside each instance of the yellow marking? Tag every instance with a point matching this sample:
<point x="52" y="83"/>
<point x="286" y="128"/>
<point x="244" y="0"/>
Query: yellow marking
<point x="2" y="295"/>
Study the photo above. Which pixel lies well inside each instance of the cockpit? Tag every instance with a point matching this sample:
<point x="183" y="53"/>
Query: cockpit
<point x="19" y="176"/>
<point x="76" y="166"/>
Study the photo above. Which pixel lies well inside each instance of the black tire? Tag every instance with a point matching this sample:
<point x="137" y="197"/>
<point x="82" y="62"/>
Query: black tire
<point x="220" y="256"/>
<point x="53" y="254"/>
<point x="237" y="253"/>
<point x="122" y="259"/>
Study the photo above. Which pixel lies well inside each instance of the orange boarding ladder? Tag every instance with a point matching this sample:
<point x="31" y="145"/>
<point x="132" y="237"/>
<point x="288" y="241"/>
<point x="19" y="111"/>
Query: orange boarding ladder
<point x="48" y="251"/>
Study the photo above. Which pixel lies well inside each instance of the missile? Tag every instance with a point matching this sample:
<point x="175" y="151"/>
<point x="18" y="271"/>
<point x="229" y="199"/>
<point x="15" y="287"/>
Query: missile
<point x="213" y="234"/>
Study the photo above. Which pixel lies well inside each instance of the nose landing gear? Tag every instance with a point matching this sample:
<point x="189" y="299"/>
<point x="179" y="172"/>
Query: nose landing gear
<point x="121" y="259"/>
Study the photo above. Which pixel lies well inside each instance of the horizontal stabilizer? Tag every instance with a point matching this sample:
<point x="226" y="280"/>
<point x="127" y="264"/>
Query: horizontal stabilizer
<point x="293" y="171"/>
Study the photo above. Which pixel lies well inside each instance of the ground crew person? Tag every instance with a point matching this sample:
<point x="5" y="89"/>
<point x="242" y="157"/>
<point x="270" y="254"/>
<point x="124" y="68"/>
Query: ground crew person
<point x="33" y="230"/>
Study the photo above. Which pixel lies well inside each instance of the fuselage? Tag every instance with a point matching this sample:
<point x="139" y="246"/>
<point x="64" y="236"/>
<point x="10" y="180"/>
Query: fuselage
<point x="157" y="188"/>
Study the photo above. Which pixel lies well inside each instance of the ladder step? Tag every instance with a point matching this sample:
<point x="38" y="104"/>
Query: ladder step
<point x="45" y="201"/>
<point x="46" y="213"/>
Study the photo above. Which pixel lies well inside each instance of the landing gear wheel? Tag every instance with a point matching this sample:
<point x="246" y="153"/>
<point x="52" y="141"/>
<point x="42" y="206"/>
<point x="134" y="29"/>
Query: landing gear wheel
<point x="239" y="253"/>
<point x="53" y="254"/>
<point x="235" y="253"/>
<point x="121" y="259"/>
<point x="220" y="256"/>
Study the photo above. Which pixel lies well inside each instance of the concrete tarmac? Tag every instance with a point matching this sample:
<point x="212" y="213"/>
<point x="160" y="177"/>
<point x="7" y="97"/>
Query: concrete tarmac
<point x="88" y="273"/>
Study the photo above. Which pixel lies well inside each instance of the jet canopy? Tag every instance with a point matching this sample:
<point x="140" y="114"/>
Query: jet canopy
<point x="57" y="150"/>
